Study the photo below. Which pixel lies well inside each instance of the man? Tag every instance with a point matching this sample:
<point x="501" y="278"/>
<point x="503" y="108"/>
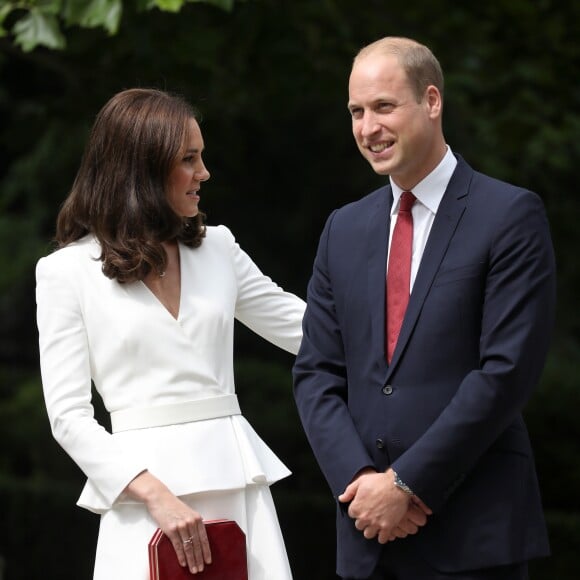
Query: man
<point x="417" y="424"/>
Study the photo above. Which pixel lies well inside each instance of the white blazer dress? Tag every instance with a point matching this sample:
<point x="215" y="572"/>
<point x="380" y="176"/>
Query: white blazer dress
<point x="146" y="364"/>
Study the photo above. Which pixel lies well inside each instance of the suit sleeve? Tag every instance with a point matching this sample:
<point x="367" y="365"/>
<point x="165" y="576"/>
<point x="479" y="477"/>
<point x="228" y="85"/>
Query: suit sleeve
<point x="516" y="328"/>
<point x="66" y="382"/>
<point x="320" y="381"/>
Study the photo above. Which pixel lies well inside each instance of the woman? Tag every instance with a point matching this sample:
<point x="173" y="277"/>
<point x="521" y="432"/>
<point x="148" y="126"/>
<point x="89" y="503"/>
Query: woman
<point x="140" y="299"/>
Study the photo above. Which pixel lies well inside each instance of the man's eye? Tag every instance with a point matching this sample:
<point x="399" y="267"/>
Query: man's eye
<point x="356" y="113"/>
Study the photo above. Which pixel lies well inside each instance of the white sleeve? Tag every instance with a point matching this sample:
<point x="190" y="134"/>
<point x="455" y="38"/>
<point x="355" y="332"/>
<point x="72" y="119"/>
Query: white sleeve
<point x="66" y="382"/>
<point x="262" y="305"/>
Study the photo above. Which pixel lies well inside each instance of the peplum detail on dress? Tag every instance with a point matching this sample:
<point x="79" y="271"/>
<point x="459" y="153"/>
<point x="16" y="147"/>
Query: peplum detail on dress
<point x="213" y="455"/>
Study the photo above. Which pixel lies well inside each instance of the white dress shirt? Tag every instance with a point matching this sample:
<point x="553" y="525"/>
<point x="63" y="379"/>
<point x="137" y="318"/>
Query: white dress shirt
<point x="429" y="193"/>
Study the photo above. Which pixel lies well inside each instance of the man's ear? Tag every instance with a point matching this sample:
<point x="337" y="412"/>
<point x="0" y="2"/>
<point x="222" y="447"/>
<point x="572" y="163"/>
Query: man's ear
<point x="434" y="101"/>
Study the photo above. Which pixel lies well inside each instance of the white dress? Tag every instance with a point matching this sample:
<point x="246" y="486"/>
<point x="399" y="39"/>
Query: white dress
<point x="139" y="357"/>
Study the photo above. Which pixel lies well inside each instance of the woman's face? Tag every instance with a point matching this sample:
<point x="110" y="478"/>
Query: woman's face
<point x="184" y="181"/>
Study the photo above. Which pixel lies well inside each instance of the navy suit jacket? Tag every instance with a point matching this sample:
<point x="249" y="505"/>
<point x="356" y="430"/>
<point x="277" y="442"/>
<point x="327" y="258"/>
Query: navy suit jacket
<point x="446" y="414"/>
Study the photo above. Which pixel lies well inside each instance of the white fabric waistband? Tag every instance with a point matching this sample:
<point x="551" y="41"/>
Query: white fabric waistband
<point x="185" y="412"/>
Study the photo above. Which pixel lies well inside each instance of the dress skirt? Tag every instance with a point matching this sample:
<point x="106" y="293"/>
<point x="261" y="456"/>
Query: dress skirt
<point x="125" y="531"/>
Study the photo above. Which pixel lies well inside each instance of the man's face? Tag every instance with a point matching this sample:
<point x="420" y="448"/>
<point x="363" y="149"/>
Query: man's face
<point x="396" y="134"/>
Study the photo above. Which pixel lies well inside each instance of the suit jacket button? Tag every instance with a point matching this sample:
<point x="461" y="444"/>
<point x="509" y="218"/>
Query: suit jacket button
<point x="379" y="443"/>
<point x="387" y="389"/>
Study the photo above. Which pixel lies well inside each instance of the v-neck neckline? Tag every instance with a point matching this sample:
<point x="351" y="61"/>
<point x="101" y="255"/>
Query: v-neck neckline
<point x="156" y="299"/>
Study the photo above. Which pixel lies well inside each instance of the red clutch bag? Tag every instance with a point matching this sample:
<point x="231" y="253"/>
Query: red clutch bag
<point x="228" y="554"/>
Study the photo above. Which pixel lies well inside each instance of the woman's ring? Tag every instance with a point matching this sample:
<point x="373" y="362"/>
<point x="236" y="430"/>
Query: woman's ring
<point x="188" y="541"/>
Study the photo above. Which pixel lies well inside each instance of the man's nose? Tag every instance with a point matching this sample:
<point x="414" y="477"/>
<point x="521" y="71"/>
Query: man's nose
<point x="369" y="124"/>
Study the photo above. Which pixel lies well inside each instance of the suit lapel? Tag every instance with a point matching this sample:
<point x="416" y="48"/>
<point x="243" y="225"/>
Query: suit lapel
<point x="377" y="240"/>
<point x="448" y="216"/>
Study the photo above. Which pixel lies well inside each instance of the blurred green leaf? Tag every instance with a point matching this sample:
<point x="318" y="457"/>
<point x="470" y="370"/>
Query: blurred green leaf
<point x="94" y="13"/>
<point x="38" y="28"/>
<point x="53" y="7"/>
<point x="169" y="5"/>
<point x="4" y="11"/>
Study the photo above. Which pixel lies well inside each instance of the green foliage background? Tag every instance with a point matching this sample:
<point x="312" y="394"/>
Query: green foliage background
<point x="269" y="78"/>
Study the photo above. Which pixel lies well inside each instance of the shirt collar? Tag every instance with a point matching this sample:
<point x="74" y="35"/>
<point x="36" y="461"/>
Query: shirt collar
<point x="429" y="191"/>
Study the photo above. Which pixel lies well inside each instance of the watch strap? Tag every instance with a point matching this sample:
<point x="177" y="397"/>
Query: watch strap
<point x="401" y="484"/>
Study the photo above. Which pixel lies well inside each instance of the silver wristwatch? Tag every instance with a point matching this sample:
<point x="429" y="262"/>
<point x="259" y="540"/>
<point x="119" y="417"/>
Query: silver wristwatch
<point x="401" y="484"/>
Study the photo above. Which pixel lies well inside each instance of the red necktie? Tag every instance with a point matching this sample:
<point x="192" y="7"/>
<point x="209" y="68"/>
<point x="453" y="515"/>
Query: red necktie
<point x="399" y="272"/>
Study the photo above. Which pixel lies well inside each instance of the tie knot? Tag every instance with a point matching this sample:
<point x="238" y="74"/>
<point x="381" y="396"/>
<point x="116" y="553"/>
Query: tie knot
<point x="407" y="201"/>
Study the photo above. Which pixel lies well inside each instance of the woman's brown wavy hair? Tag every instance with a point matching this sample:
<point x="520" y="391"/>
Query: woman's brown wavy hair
<point x="119" y="193"/>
